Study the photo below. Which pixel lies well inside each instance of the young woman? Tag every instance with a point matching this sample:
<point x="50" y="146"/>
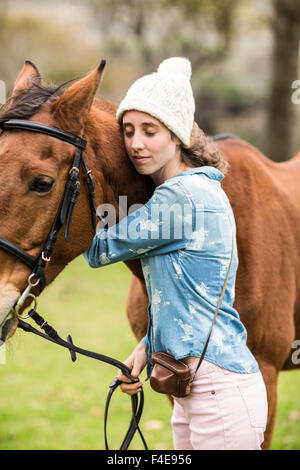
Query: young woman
<point x="183" y="236"/>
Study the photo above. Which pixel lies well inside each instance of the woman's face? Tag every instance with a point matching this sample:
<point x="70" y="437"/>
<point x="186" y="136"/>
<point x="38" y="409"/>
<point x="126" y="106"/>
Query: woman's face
<point x="150" y="146"/>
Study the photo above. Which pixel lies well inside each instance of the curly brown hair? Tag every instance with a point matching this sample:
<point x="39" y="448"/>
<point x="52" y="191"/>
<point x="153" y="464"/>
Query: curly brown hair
<point x="202" y="152"/>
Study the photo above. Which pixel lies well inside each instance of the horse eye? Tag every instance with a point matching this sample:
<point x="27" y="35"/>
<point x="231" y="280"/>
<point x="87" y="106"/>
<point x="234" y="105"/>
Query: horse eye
<point x="41" y="184"/>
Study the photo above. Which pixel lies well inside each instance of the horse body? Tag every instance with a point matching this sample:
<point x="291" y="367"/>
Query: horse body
<point x="264" y="196"/>
<point x="265" y="204"/>
<point x="265" y="199"/>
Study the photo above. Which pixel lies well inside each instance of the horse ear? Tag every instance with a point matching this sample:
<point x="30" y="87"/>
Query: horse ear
<point x="73" y="107"/>
<point x="28" y="75"/>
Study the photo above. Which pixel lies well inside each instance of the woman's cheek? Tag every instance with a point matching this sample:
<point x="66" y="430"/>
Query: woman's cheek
<point x="127" y="143"/>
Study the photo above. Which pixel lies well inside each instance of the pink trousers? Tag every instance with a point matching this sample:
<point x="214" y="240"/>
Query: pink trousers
<point x="225" y="411"/>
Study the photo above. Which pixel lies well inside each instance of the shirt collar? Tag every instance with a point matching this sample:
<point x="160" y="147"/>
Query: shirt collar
<point x="209" y="171"/>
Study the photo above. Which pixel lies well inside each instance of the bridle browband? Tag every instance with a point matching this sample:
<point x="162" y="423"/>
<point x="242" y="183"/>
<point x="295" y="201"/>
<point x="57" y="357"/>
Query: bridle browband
<point x="44" y="129"/>
<point x="38" y="263"/>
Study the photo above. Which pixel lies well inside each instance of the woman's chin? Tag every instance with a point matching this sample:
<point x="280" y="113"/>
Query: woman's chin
<point x="143" y="171"/>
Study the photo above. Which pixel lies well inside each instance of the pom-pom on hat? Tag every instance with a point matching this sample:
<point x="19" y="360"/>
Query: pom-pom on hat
<point x="166" y="95"/>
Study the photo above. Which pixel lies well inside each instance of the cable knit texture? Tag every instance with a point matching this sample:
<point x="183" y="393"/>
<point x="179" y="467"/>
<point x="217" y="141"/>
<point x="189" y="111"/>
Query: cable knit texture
<point x="166" y="95"/>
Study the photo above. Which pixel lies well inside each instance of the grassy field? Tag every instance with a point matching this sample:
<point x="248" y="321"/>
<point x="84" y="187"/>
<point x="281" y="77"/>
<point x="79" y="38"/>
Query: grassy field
<point x="48" y="402"/>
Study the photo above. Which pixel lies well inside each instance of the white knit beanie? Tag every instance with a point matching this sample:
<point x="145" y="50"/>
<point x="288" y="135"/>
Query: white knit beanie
<point x="166" y="95"/>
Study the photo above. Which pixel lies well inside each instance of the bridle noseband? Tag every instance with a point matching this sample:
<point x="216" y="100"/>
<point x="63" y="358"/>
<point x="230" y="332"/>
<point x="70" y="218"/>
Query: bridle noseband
<point x="38" y="263"/>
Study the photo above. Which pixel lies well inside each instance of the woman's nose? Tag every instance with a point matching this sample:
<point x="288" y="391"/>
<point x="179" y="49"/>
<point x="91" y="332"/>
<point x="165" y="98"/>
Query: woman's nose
<point x="137" y="143"/>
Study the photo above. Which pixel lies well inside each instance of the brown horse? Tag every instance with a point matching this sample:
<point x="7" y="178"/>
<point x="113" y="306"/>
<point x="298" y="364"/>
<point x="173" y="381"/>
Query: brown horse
<point x="264" y="196"/>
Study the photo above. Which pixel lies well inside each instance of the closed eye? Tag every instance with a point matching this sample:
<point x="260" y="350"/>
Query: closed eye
<point x="130" y="134"/>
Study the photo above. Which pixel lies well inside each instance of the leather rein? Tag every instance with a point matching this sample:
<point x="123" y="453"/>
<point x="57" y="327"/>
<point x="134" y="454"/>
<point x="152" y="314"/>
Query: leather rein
<point x="38" y="263"/>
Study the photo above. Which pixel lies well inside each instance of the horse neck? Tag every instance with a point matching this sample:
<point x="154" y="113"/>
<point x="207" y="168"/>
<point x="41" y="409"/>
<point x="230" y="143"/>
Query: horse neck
<point x="115" y="175"/>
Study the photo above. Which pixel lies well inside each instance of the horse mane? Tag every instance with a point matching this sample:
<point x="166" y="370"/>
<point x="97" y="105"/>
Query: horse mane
<point x="223" y="136"/>
<point x="31" y="100"/>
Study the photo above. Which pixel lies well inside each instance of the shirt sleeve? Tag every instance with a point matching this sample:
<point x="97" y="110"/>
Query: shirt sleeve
<point x="145" y="341"/>
<point x="156" y="228"/>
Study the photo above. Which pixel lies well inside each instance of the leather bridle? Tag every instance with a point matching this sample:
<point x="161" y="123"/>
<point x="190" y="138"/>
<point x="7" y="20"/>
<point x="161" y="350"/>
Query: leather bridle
<point x="68" y="201"/>
<point x="38" y="263"/>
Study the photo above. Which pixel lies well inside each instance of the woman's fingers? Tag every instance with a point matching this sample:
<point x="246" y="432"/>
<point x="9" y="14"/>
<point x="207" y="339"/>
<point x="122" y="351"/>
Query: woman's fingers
<point x="135" y="365"/>
<point x="138" y="365"/>
<point x="122" y="377"/>
<point x="127" y="386"/>
<point x="135" y="362"/>
<point x="131" y="389"/>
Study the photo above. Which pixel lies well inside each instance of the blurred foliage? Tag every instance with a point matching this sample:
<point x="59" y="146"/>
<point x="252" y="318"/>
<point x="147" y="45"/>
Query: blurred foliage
<point x="229" y="43"/>
<point x="48" y="43"/>
<point x="285" y="68"/>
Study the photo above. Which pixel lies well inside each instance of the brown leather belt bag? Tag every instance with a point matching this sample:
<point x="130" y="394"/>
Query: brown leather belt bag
<point x="171" y="376"/>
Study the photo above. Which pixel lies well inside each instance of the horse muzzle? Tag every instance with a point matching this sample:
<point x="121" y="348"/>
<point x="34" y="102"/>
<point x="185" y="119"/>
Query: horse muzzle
<point x="8" y="328"/>
<point x="8" y="319"/>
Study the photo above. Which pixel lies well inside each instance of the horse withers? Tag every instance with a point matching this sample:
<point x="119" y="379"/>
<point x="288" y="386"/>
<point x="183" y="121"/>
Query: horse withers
<point x="33" y="172"/>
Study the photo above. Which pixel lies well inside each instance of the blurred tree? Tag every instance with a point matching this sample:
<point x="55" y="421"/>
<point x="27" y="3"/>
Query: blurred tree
<point x="203" y="32"/>
<point x="286" y="27"/>
<point x="144" y="33"/>
<point x="227" y="42"/>
<point x="3" y="9"/>
<point x="47" y="40"/>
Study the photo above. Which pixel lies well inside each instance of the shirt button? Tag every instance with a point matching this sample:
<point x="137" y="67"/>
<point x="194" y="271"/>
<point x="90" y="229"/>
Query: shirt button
<point x="213" y="392"/>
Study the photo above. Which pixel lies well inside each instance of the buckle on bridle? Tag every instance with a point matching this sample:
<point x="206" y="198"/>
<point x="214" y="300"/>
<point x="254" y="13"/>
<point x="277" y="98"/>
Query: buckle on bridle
<point x="27" y="293"/>
<point x="44" y="258"/>
<point x="74" y="168"/>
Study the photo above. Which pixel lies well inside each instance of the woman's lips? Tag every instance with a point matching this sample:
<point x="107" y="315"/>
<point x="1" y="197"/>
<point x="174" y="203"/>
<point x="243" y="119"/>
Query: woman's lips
<point x="140" y="158"/>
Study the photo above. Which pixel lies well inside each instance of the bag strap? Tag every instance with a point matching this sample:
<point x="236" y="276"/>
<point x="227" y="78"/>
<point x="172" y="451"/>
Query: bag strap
<point x="217" y="309"/>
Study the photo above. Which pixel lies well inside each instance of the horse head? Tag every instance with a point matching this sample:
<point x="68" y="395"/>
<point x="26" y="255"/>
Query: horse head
<point x="34" y="168"/>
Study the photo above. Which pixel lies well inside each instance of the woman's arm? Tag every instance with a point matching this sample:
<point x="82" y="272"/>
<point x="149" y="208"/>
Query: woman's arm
<point x="155" y="228"/>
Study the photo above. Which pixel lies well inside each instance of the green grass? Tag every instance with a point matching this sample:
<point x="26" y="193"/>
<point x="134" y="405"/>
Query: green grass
<point x="287" y="431"/>
<point x="48" y="402"/>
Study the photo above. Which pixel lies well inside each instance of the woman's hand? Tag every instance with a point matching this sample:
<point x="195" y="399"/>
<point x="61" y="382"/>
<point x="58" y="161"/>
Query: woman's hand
<point x="136" y="363"/>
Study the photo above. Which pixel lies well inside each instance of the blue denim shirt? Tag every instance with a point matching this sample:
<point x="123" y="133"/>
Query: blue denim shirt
<point x="183" y="236"/>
